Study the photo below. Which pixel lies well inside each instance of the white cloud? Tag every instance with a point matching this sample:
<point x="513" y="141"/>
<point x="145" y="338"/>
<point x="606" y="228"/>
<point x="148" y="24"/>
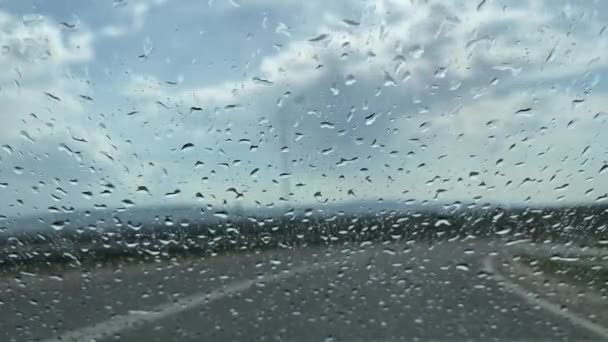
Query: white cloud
<point x="132" y="17"/>
<point x="40" y="45"/>
<point x="455" y="112"/>
<point x="434" y="47"/>
<point x="35" y="57"/>
<point x="114" y="31"/>
<point x="46" y="111"/>
<point x="139" y="9"/>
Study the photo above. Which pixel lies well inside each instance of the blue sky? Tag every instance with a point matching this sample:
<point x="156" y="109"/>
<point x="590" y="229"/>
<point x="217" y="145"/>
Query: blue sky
<point x="347" y="100"/>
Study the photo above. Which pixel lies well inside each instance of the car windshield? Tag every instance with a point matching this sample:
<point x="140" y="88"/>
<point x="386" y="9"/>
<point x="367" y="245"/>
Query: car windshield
<point x="220" y="170"/>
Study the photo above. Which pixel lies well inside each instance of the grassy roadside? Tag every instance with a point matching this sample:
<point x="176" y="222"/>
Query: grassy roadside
<point x="60" y="262"/>
<point x="586" y="276"/>
<point x="62" y="256"/>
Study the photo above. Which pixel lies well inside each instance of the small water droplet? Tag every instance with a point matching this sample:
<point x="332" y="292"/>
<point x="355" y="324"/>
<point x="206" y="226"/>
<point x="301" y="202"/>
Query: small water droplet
<point x="524" y="111"/>
<point x="416" y="51"/>
<point x="350" y="79"/>
<point x="440" y="73"/>
<point x="128" y="203"/>
<point x="389" y="81"/>
<point x="143" y="189"/>
<point x="462" y="267"/>
<point x="334" y="90"/>
<point x="221" y="214"/>
<point x="25" y="135"/>
<point x="52" y="96"/>
<point x="187" y="147"/>
<point x="7" y="148"/>
<point x="319" y="38"/>
<point x="326" y="124"/>
<point x="262" y="81"/>
<point x="59" y="224"/>
<point x="173" y="193"/>
<point x="350" y="22"/>
<point x="370" y="119"/>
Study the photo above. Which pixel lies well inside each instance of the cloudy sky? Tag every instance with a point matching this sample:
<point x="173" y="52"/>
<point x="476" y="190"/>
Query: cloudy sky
<point x="158" y="102"/>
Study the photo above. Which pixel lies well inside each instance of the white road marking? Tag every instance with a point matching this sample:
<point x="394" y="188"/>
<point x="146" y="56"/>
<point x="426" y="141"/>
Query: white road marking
<point x="136" y="318"/>
<point x="533" y="299"/>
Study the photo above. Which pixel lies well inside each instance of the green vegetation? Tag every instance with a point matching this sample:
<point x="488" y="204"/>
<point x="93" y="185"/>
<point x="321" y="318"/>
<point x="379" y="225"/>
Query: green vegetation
<point x="583" y="225"/>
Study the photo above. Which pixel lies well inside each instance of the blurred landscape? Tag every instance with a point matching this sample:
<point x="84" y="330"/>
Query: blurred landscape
<point x="148" y="233"/>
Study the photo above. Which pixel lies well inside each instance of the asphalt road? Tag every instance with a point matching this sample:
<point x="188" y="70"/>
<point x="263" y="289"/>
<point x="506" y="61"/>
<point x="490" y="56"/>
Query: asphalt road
<point x="376" y="292"/>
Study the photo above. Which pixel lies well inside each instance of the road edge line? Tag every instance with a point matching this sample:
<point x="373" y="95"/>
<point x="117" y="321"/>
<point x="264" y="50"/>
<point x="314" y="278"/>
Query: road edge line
<point x="534" y="299"/>
<point x="132" y="321"/>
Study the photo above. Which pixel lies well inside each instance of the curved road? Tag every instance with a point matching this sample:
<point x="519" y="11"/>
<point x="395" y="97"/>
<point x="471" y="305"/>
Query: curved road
<point x="383" y="292"/>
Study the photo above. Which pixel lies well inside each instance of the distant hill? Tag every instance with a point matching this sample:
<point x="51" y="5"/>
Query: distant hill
<point x="152" y="230"/>
<point x="71" y="220"/>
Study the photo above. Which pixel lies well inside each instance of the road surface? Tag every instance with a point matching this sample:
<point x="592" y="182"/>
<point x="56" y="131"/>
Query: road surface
<point x="396" y="291"/>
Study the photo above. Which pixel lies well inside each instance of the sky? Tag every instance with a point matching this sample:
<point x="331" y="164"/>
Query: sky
<point x="265" y="103"/>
